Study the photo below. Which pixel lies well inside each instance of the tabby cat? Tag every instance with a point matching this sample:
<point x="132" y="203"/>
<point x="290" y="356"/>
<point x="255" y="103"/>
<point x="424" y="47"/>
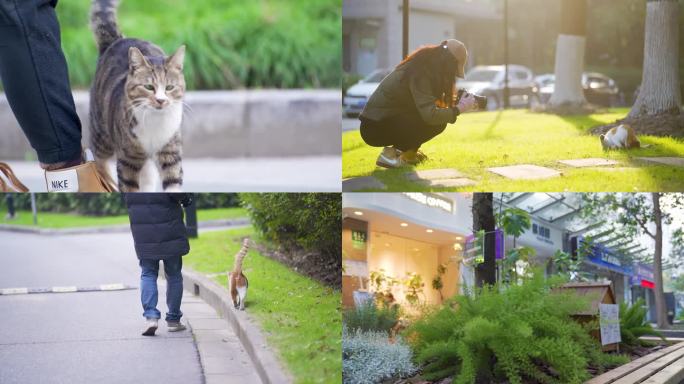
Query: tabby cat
<point x="136" y="106"/>
<point x="237" y="281"/>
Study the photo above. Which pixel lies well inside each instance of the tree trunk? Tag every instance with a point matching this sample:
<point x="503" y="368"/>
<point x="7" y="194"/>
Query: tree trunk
<point x="570" y="55"/>
<point x="661" y="310"/>
<point x="483" y="219"/>
<point x="660" y="92"/>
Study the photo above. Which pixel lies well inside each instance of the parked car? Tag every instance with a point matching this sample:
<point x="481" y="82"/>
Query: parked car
<point x="489" y="81"/>
<point x="598" y="88"/>
<point x="358" y="94"/>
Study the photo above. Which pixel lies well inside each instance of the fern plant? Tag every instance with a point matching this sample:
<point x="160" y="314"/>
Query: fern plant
<point x="633" y="324"/>
<point x="518" y="334"/>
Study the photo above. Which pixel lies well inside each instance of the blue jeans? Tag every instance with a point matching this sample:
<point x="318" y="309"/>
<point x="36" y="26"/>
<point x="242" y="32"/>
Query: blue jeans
<point x="174" y="287"/>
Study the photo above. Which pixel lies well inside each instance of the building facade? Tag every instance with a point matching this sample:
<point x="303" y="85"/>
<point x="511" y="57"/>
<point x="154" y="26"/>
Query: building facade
<point x="401" y="235"/>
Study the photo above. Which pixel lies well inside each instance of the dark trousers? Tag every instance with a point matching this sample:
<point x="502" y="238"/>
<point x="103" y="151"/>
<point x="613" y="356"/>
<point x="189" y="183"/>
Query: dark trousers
<point x="35" y="78"/>
<point x="403" y="131"/>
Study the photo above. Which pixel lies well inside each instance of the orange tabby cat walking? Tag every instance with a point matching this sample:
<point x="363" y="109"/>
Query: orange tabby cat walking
<point x="237" y="281"/>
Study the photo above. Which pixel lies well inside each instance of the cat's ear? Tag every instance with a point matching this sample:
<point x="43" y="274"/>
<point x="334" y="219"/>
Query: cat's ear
<point x="136" y="59"/>
<point x="176" y="59"/>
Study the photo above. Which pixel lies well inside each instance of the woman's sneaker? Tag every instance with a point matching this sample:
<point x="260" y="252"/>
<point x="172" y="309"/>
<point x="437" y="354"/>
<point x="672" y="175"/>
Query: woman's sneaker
<point x="390" y="158"/>
<point x="150" y="327"/>
<point x="175" y="326"/>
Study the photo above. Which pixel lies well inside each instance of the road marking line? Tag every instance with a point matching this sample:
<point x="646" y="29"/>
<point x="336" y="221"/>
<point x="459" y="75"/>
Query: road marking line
<point x="64" y="289"/>
<point x="112" y="287"/>
<point x="13" y="291"/>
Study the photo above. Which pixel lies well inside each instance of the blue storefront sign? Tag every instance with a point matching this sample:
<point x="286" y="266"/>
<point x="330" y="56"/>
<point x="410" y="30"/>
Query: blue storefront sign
<point x="604" y="257"/>
<point x="474" y="247"/>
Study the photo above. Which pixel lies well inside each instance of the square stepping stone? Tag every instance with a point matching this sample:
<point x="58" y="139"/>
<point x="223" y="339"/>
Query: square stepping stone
<point x="358" y="183"/>
<point x="591" y="162"/>
<point x="434" y="174"/>
<point x="525" y="172"/>
<point x="674" y="161"/>
<point x="448" y="183"/>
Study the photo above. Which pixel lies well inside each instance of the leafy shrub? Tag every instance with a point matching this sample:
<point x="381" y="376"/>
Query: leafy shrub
<point x="230" y="44"/>
<point x="633" y="324"/>
<point x="370" y="357"/>
<point x="368" y="317"/>
<point x="521" y="333"/>
<point x="108" y="204"/>
<point x="311" y="222"/>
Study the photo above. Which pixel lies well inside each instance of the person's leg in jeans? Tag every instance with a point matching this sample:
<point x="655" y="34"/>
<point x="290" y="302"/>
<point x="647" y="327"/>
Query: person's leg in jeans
<point x="174" y="292"/>
<point x="35" y="78"/>
<point x="148" y="288"/>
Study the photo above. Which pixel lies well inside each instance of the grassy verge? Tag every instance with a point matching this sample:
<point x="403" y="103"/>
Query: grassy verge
<point x="492" y="139"/>
<point x="66" y="220"/>
<point x="300" y="317"/>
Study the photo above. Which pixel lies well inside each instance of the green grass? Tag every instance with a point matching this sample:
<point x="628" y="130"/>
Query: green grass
<point x="300" y="317"/>
<point x="230" y="44"/>
<point x="66" y="220"/>
<point x="479" y="141"/>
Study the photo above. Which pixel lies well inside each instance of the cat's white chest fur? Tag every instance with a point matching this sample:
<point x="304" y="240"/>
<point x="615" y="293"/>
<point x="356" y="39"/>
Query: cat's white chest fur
<point x="617" y="139"/>
<point x="156" y="127"/>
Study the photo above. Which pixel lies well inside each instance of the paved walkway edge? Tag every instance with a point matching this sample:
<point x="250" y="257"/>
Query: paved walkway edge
<point x="123" y="228"/>
<point x="267" y="365"/>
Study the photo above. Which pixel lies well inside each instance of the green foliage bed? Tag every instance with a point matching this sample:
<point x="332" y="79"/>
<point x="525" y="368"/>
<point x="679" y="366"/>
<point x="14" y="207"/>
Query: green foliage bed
<point x="230" y="43"/>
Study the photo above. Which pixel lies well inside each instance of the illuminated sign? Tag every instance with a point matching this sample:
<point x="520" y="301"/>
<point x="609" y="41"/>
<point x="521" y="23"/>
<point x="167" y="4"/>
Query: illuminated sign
<point x="432" y="201"/>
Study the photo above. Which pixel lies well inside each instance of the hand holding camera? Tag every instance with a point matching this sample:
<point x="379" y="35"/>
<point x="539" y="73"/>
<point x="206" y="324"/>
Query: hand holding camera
<point x="468" y="102"/>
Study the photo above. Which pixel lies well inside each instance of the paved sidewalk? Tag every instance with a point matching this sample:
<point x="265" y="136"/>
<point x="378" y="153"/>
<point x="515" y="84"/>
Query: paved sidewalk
<point x="224" y="360"/>
<point x="290" y="174"/>
<point x="94" y="337"/>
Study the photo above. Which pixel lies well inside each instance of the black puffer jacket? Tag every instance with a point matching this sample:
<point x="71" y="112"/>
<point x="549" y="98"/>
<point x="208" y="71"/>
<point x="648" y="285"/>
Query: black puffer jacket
<point x="157" y="224"/>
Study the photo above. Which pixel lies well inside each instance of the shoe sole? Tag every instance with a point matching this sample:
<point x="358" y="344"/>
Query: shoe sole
<point x="177" y="329"/>
<point x="150" y="331"/>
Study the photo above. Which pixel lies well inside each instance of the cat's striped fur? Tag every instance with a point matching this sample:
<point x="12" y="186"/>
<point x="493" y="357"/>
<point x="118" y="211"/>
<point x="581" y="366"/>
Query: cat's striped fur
<point x="135" y="104"/>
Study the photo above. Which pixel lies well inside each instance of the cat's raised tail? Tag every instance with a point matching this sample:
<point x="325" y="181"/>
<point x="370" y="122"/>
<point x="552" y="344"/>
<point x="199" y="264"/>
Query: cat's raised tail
<point x="103" y="23"/>
<point x="237" y="268"/>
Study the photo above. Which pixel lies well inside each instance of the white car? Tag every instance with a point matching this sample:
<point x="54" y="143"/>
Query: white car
<point x="358" y="94"/>
<point x="489" y="81"/>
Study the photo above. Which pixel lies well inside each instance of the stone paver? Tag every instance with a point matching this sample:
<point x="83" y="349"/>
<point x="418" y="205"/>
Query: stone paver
<point x="673" y="161"/>
<point x="224" y="360"/>
<point x="358" y="183"/>
<point x="591" y="162"/>
<point x="525" y="172"/>
<point x="449" y="183"/>
<point x="434" y="174"/>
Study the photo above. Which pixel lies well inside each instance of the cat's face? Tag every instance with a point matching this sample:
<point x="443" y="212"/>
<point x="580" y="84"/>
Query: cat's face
<point x="154" y="82"/>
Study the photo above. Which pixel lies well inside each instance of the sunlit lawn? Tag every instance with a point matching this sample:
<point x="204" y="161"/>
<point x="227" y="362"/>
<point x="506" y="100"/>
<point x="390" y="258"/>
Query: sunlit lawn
<point x="479" y="141"/>
<point x="301" y="317"/>
<point x="66" y="220"/>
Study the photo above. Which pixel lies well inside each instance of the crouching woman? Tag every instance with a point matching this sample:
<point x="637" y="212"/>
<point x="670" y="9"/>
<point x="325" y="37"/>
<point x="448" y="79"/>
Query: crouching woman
<point x="415" y="102"/>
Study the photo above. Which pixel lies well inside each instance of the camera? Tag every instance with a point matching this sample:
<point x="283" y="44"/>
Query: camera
<point x="481" y="100"/>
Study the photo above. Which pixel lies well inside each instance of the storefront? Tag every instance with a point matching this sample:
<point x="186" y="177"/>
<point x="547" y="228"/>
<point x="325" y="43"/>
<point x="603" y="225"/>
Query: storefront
<point x="603" y="263"/>
<point x="643" y="284"/>
<point x="405" y="238"/>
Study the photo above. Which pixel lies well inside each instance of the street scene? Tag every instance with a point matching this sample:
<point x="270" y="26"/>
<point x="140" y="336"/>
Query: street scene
<point x="70" y="291"/>
<point x="255" y="108"/>
<point x="559" y="86"/>
<point x="512" y="287"/>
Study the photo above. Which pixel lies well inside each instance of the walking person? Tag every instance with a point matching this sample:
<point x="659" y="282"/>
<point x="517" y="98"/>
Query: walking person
<point x="36" y="81"/>
<point x="159" y="234"/>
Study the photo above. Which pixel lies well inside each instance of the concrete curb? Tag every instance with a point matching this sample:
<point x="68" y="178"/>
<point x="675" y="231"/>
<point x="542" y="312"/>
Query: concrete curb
<point x="229" y="124"/>
<point x="267" y="365"/>
<point x="111" y="228"/>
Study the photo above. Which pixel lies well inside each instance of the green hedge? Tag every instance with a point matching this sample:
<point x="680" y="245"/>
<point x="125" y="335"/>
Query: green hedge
<point x="108" y="204"/>
<point x="230" y="44"/>
<point x="308" y="226"/>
